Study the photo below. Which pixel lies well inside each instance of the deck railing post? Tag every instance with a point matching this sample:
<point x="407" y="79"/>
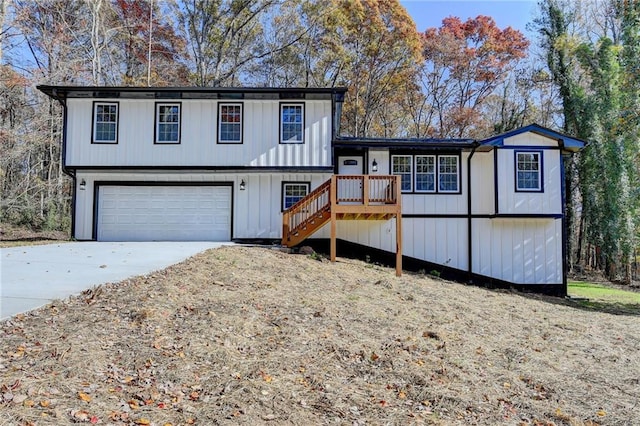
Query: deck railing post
<point x="398" y="201"/>
<point x="365" y="190"/>
<point x="333" y="189"/>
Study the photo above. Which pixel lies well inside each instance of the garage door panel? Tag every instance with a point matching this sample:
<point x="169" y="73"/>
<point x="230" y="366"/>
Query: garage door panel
<point x="164" y="213"/>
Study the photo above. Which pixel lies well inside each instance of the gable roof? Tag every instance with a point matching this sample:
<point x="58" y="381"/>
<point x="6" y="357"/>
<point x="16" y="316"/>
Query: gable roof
<point x="566" y="142"/>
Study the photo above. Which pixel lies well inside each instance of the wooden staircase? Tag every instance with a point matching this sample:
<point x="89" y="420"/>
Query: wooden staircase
<point x="345" y="197"/>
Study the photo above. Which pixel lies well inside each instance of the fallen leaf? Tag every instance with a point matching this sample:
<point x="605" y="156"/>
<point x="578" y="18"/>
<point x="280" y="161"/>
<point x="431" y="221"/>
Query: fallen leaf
<point x="83" y="396"/>
<point x="44" y="404"/>
<point x="28" y="403"/>
<point x="402" y="395"/>
<point x="601" y="413"/>
<point x="94" y="420"/>
<point x="267" y="378"/>
<point x="374" y="356"/>
<point x="143" y="421"/>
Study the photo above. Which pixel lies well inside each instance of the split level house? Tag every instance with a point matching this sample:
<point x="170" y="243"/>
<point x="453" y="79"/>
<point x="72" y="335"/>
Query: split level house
<point x="247" y="164"/>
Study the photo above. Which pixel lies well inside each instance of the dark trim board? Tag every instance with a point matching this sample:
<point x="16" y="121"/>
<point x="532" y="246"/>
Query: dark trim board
<point x="358" y="251"/>
<point x="98" y="184"/>
<point x="244" y="169"/>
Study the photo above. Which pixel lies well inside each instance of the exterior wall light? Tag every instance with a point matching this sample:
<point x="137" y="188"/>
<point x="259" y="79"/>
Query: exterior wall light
<point x="243" y="185"/>
<point x="83" y="185"/>
<point x="374" y="166"/>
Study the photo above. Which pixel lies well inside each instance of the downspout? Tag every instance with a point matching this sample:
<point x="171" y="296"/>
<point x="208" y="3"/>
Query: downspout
<point x="563" y="196"/>
<point x="469" y="220"/>
<point x="65" y="170"/>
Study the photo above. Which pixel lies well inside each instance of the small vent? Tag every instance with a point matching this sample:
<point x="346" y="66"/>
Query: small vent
<point x="350" y="162"/>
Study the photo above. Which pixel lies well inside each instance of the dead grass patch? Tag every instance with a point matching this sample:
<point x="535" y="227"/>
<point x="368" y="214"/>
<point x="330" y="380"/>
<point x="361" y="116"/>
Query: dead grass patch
<point x="12" y="236"/>
<point x="254" y="336"/>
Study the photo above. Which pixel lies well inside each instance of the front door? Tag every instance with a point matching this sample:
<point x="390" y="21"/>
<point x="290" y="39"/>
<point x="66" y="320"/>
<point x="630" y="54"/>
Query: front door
<point x="350" y="191"/>
<point x="351" y="165"/>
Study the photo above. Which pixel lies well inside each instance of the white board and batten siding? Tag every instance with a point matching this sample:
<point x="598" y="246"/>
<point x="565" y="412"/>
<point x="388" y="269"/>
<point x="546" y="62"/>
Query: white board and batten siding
<point x="198" y="145"/>
<point x="522" y="251"/>
<point x="549" y="200"/>
<point x="522" y="248"/>
<point x="256" y="212"/>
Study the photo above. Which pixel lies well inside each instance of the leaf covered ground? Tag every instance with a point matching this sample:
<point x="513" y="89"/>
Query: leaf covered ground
<point x="242" y="335"/>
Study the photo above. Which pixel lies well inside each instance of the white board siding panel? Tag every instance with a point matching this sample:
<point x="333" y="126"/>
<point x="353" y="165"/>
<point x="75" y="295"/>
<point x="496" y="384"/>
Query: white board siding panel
<point x="518" y="250"/>
<point x="436" y="240"/>
<point x="164" y="213"/>
<point x="198" y="146"/>
<point x="257" y="210"/>
<point x="547" y="202"/>
<point x="529" y="139"/>
<point x="482" y="183"/>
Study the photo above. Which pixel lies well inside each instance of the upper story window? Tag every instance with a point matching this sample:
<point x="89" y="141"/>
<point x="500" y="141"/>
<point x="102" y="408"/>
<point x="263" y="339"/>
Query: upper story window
<point x="167" y="123"/>
<point x="291" y="123"/>
<point x="528" y="171"/>
<point x="402" y="165"/>
<point x="448" y="173"/>
<point x="105" y="122"/>
<point x="230" y="123"/>
<point x="292" y="192"/>
<point x="427" y="173"/>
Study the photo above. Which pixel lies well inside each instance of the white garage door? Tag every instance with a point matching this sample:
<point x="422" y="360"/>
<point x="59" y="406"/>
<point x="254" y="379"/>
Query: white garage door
<point x="164" y="213"/>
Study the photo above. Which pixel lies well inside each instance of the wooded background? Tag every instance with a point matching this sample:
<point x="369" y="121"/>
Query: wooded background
<point x="580" y="75"/>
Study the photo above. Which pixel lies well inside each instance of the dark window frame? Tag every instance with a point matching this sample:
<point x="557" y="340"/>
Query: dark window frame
<point x="413" y="155"/>
<point x="435" y="174"/>
<point x="220" y="122"/>
<point x="439" y="174"/>
<point x="281" y="123"/>
<point x="157" y="123"/>
<point x="540" y="170"/>
<point x="93" y="122"/>
<point x="284" y="188"/>
<point x="411" y="171"/>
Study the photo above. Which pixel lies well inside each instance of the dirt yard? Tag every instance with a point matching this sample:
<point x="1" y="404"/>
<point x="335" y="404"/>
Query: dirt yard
<point x="254" y="336"/>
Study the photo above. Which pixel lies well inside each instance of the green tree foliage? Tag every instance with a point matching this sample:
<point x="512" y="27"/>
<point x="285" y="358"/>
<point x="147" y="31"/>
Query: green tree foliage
<point x="598" y="85"/>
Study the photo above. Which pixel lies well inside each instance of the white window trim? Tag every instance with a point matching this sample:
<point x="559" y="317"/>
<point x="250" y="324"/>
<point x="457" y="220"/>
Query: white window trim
<point x="307" y="185"/>
<point x="538" y="154"/>
<point x="94" y="138"/>
<point x="411" y="172"/>
<point x="178" y="123"/>
<point x="220" y="122"/>
<point x="449" y="191"/>
<point x="435" y="174"/>
<point x="302" y="113"/>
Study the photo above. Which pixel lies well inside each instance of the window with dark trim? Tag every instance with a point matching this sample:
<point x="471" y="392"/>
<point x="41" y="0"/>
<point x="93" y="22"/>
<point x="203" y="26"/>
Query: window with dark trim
<point x="528" y="171"/>
<point x="402" y="165"/>
<point x="448" y="173"/>
<point x="291" y="123"/>
<point x="292" y="192"/>
<point x="105" y="122"/>
<point x="167" y="123"/>
<point x="427" y="173"/>
<point x="230" y="123"/>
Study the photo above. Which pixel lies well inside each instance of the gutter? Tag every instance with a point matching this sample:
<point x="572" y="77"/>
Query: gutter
<point x="469" y="213"/>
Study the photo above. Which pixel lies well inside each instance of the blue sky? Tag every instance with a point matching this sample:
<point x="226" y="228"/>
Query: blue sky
<point x="513" y="13"/>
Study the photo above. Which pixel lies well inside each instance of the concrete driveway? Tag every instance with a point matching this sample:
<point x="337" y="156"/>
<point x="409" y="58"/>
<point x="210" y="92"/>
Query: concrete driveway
<point x="32" y="276"/>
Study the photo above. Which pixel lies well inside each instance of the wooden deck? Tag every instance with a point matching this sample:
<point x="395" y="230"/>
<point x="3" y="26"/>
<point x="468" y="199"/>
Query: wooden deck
<point x="345" y="197"/>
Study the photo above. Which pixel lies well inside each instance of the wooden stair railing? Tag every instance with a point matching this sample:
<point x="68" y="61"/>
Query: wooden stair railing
<point x="306" y="216"/>
<point x="344" y="197"/>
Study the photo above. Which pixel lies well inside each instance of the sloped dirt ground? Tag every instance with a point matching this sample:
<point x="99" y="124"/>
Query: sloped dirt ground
<point x="254" y="336"/>
<point x="11" y="236"/>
